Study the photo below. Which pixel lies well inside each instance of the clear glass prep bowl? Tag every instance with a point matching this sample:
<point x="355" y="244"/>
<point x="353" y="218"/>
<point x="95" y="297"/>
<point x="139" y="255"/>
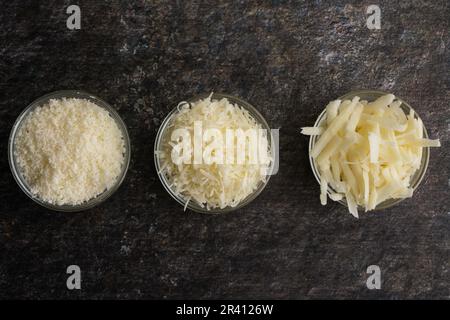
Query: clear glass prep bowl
<point x="371" y="95"/>
<point x="192" y="205"/>
<point x="15" y="169"/>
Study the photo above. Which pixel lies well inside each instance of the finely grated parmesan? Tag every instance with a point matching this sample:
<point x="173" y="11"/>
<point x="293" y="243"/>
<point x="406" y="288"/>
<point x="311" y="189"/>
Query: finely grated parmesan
<point x="213" y="185"/>
<point x="69" y="151"/>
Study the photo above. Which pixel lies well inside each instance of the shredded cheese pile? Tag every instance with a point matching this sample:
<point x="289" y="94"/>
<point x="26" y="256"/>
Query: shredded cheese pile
<point x="367" y="152"/>
<point x="212" y="185"/>
<point x="69" y="151"/>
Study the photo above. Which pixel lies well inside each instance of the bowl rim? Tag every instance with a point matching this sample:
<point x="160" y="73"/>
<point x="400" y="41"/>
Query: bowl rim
<point x="80" y="94"/>
<point x="417" y="177"/>
<point x="193" y="206"/>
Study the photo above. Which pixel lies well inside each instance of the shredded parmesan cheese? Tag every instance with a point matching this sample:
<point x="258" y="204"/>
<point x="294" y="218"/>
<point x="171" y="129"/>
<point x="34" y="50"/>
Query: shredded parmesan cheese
<point x="367" y="152"/>
<point x="69" y="151"/>
<point x="223" y="181"/>
<point x="312" y="131"/>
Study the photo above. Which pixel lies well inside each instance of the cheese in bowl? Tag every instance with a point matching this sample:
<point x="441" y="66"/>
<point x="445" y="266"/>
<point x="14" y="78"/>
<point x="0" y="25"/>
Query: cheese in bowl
<point x="368" y="150"/>
<point x="69" y="151"/>
<point x="213" y="153"/>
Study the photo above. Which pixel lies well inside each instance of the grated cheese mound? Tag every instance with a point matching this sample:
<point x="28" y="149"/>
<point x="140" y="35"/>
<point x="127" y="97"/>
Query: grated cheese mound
<point x="367" y="152"/>
<point x="69" y="151"/>
<point x="215" y="185"/>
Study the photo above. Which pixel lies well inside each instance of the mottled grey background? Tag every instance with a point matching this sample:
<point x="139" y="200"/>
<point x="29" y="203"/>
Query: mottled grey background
<point x="288" y="59"/>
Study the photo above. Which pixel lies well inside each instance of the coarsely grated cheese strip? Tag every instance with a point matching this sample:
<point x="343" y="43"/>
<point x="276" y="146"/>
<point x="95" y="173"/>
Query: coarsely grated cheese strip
<point x="367" y="152"/>
<point x="214" y="185"/>
<point x="69" y="151"/>
<point x="333" y="128"/>
<point x="312" y="131"/>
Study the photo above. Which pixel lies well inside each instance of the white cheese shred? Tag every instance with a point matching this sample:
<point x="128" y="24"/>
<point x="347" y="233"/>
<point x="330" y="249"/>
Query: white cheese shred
<point x="367" y="152"/>
<point x="213" y="185"/>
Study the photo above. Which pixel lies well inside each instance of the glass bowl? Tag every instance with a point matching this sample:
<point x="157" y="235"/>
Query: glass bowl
<point x="371" y="95"/>
<point x="192" y="205"/>
<point x="15" y="169"/>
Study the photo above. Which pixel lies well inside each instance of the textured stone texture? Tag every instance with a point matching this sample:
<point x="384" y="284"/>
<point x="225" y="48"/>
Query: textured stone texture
<point x="288" y="59"/>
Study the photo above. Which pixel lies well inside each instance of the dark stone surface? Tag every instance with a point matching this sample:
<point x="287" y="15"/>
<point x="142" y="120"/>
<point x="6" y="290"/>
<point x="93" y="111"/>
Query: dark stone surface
<point x="288" y="59"/>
